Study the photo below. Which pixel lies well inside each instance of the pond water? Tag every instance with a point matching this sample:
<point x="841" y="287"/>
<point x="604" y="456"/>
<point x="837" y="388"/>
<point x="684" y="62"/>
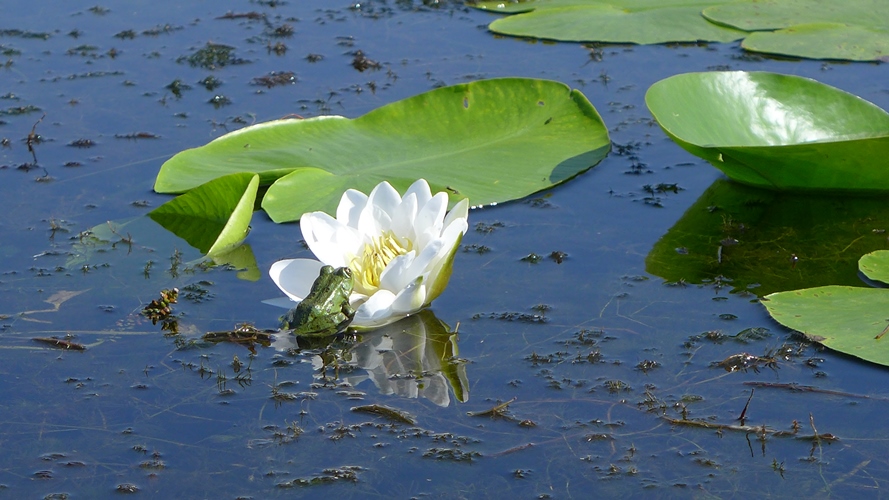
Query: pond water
<point x="601" y="360"/>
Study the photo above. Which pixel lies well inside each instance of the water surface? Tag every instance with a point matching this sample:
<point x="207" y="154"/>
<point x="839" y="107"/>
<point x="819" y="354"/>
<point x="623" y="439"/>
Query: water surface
<point x="598" y="354"/>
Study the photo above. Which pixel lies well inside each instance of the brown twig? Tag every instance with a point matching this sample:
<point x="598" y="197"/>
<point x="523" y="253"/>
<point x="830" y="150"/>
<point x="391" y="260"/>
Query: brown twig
<point x="496" y="411"/>
<point x="809" y="388"/>
<point x="744" y="411"/>
<point x="60" y="343"/>
<point x="760" y="430"/>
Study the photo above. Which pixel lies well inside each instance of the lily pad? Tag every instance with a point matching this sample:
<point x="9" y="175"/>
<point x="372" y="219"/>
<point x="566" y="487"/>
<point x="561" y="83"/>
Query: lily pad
<point x="852" y="320"/>
<point x="776" y="131"/>
<point x="820" y="29"/>
<point x="823" y="41"/>
<point x="612" y="21"/>
<point x="489" y="141"/>
<point x="875" y="266"/>
<point x="214" y="217"/>
<point x="763" y="241"/>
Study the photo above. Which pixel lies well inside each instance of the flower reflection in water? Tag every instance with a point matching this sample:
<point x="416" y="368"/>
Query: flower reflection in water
<point x="414" y="357"/>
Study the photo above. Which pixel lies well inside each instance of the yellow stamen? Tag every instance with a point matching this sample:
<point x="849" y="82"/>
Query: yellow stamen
<point x="373" y="259"/>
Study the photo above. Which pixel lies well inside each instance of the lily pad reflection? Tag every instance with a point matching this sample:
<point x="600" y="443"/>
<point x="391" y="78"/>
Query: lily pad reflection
<point x="143" y="239"/>
<point x="412" y="358"/>
<point x="764" y="241"/>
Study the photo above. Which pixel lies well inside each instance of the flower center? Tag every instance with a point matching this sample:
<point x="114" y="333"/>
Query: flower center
<point x="370" y="263"/>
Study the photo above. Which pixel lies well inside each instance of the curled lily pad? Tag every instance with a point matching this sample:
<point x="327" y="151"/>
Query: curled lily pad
<point x="776" y="131"/>
<point x="214" y="217"/>
<point x="614" y="21"/>
<point x="489" y="141"/>
<point x="875" y="265"/>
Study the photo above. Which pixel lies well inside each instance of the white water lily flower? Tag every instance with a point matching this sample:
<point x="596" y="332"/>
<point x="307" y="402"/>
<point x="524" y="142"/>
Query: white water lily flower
<point x="400" y="250"/>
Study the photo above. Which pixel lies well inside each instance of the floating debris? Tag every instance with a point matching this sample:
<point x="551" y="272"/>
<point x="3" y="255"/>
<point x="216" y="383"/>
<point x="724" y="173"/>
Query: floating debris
<point x="161" y="309"/>
<point x="82" y="143"/>
<point x="213" y="56"/>
<point x="362" y="63"/>
<point x="60" y="343"/>
<point x="496" y="411"/>
<point x="275" y="78"/>
<point x="388" y="412"/>
<point x="137" y="135"/>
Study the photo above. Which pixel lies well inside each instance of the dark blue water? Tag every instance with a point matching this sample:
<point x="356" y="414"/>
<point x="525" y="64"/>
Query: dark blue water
<point x="595" y="351"/>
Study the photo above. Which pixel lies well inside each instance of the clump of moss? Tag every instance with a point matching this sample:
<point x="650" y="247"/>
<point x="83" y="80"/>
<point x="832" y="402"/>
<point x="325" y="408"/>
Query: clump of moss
<point x="212" y="56"/>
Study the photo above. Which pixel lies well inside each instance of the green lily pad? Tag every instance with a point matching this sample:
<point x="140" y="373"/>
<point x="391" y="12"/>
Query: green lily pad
<point x="776" y="131"/>
<point x="214" y="217"/>
<point x="823" y="41"/>
<point x="490" y="141"/>
<point x="757" y="15"/>
<point x="612" y="21"/>
<point x="875" y="265"/>
<point x="764" y="241"/>
<point x="852" y="320"/>
<point x="819" y="29"/>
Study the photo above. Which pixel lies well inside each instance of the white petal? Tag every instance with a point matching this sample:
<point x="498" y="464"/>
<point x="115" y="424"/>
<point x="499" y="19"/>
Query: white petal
<point x="317" y="226"/>
<point x="460" y="211"/>
<point x="403" y="218"/>
<point x="405" y="271"/>
<point x="386" y="197"/>
<point x="396" y="275"/>
<point x="409" y="300"/>
<point x="375" y="310"/>
<point x="356" y="299"/>
<point x="331" y="241"/>
<point x="440" y="271"/>
<point x="453" y="231"/>
<point x="420" y="188"/>
<point x="377" y="215"/>
<point x="295" y="276"/>
<point x="428" y="222"/>
<point x="350" y="207"/>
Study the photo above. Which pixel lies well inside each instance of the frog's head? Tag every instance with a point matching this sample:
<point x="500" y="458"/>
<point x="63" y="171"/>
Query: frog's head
<point x="343" y="273"/>
<point x="344" y="276"/>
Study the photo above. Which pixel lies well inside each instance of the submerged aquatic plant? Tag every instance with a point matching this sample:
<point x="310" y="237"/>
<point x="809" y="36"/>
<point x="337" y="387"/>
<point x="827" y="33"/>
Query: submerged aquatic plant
<point x="400" y="250"/>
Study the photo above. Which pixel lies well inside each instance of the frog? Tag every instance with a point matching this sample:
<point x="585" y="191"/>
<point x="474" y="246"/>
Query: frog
<point x="326" y="310"/>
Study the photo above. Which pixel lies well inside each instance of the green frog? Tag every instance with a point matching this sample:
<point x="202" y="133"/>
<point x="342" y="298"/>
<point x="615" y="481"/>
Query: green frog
<point x="325" y="311"/>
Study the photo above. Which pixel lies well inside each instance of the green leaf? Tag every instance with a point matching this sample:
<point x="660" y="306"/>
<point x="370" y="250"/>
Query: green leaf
<point x="823" y="41"/>
<point x="776" y="131"/>
<point x="852" y="320"/>
<point x="848" y="319"/>
<point x="761" y="231"/>
<point x="214" y="217"/>
<point x="757" y="15"/>
<point x="613" y="21"/>
<point x="875" y="265"/>
<point x="819" y="29"/>
<point x="489" y="141"/>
